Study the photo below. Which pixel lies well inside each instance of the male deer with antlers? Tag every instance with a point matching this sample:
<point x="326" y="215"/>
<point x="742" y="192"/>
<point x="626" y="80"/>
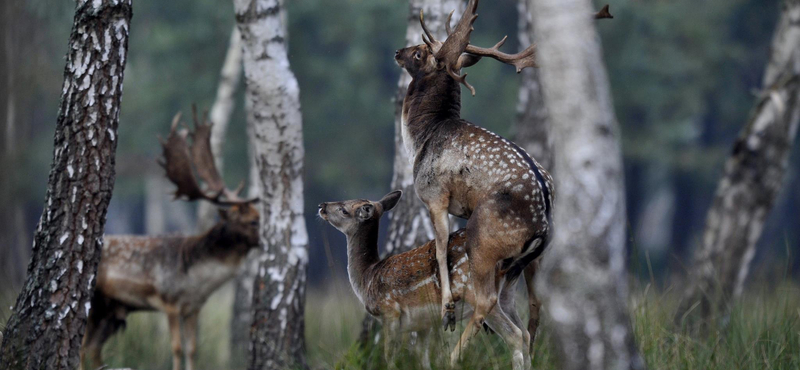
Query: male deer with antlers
<point x="173" y="274"/>
<point x="467" y="171"/>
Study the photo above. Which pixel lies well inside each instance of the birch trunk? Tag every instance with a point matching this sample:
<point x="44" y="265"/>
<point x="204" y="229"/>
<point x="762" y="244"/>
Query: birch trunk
<point x="276" y="335"/>
<point x="220" y="115"/>
<point x="243" y="284"/>
<point x="531" y="127"/>
<point x="583" y="274"/>
<point x="751" y="181"/>
<point x="49" y="317"/>
<point x="409" y="223"/>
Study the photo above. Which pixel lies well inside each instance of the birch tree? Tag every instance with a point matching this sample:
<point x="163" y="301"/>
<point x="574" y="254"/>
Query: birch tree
<point x="530" y="128"/>
<point x="46" y="327"/>
<point x="276" y="340"/>
<point x="752" y="179"/>
<point x="409" y="223"/>
<point x="220" y="116"/>
<point x="583" y="274"/>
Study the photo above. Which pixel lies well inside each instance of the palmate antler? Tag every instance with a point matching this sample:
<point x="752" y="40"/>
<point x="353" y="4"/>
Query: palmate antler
<point x="180" y="160"/>
<point x="456" y="52"/>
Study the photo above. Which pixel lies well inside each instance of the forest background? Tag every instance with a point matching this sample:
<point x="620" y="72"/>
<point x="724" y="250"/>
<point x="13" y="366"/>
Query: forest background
<point x="683" y="76"/>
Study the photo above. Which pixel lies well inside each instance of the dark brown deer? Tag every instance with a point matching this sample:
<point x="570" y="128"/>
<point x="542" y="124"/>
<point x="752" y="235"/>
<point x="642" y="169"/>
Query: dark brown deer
<point x="467" y="171"/>
<point x="173" y="274"/>
<point x="403" y="290"/>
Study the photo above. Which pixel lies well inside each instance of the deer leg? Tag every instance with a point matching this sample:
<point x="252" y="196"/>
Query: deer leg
<point x="390" y="332"/>
<point x="190" y="332"/>
<point x="175" y="335"/>
<point x="533" y="301"/>
<point x="472" y="328"/>
<point x="104" y="320"/>
<point x="422" y="348"/>
<point x="508" y="303"/>
<point x="512" y="335"/>
<point x="441" y="226"/>
<point x="89" y="345"/>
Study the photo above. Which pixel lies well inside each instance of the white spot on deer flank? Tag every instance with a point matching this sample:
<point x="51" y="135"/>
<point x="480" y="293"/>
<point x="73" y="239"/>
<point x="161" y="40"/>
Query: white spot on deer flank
<point x="63" y="238"/>
<point x="70" y="170"/>
<point x="80" y="242"/>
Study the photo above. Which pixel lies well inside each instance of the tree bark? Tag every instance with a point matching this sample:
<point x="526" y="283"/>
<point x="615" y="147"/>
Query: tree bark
<point x="276" y="336"/>
<point x="243" y="284"/>
<point x="220" y="115"/>
<point x="583" y="273"/>
<point x="531" y="128"/>
<point x="49" y="317"/>
<point x="751" y="181"/>
<point x="409" y="223"/>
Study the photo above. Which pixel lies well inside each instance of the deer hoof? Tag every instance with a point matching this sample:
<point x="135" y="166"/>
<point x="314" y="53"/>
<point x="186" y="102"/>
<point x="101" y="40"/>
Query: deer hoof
<point x="449" y="317"/>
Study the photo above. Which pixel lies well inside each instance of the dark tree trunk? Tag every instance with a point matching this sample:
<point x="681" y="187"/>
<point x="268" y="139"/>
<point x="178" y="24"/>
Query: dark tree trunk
<point x="273" y="102"/>
<point x="583" y="279"/>
<point x="752" y="179"/>
<point x="47" y="325"/>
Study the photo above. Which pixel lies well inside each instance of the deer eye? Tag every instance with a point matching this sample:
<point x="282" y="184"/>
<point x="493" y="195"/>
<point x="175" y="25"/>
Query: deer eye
<point x="417" y="56"/>
<point x="344" y="211"/>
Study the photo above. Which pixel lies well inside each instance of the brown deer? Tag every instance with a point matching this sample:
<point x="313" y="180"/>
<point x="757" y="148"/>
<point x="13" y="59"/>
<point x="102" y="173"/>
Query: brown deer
<point x="467" y="171"/>
<point x="173" y="274"/>
<point x="404" y="290"/>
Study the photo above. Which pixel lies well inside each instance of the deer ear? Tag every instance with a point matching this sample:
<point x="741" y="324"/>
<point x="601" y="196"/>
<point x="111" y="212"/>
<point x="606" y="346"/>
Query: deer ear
<point x="390" y="200"/>
<point x="365" y="212"/>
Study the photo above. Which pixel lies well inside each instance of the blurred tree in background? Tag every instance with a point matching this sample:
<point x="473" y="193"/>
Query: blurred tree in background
<point x="682" y="75"/>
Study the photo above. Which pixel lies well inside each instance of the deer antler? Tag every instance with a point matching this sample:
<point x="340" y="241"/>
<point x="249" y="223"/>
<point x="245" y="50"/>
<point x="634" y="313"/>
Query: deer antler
<point x="603" y="13"/>
<point x="521" y="60"/>
<point x="179" y="158"/>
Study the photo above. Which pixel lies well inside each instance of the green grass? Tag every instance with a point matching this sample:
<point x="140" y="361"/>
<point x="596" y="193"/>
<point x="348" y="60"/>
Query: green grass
<point x="763" y="333"/>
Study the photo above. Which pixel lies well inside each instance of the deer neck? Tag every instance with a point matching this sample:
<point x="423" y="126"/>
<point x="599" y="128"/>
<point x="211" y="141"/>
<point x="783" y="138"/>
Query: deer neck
<point x="362" y="255"/>
<point x="429" y="102"/>
<point x="218" y="243"/>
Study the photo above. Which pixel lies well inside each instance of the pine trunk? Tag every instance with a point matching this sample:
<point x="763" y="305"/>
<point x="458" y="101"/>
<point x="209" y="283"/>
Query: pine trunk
<point x="583" y="279"/>
<point x="49" y="317"/>
<point x="220" y="116"/>
<point x="751" y="181"/>
<point x="277" y="332"/>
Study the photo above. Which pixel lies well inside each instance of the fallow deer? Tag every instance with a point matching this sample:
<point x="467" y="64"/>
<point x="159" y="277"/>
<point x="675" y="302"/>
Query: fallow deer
<point x="403" y="290"/>
<point x="467" y="171"/>
<point x="173" y="274"/>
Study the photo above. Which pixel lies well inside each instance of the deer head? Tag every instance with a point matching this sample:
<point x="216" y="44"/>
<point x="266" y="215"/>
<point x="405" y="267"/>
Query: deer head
<point x="182" y="161"/>
<point x="455" y="52"/>
<point x="349" y="215"/>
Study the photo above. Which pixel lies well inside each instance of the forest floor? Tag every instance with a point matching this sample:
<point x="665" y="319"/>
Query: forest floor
<point x="763" y="333"/>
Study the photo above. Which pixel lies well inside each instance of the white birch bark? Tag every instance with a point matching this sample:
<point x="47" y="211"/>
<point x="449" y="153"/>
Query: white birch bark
<point x="752" y="179"/>
<point x="583" y="279"/>
<point x="531" y="127"/>
<point x="409" y="222"/>
<point x="277" y="331"/>
<point x="220" y="116"/>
